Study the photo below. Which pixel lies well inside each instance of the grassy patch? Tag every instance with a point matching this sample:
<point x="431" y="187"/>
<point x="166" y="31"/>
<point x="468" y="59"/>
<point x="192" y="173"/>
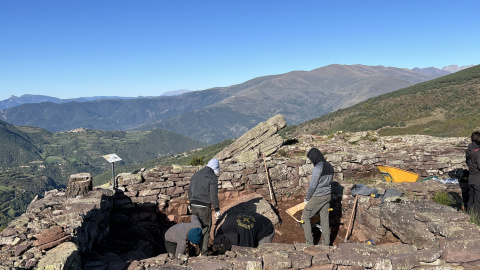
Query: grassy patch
<point x="474" y="217"/>
<point x="443" y="197"/>
<point x="4" y="188"/>
<point x="53" y="159"/>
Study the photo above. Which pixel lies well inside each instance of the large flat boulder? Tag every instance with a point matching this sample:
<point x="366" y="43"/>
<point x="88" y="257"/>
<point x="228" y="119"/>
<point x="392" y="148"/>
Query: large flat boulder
<point x="261" y="140"/>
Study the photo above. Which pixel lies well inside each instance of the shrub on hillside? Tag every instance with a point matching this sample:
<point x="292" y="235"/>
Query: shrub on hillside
<point x="197" y="161"/>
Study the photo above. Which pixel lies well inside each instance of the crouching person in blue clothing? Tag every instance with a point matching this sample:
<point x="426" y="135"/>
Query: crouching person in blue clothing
<point x="318" y="196"/>
<point x="179" y="236"/>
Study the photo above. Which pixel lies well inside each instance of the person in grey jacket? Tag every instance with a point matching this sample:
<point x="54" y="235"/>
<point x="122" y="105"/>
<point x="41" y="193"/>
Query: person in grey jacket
<point x="177" y="236"/>
<point x="318" y="196"/>
<point x="203" y="194"/>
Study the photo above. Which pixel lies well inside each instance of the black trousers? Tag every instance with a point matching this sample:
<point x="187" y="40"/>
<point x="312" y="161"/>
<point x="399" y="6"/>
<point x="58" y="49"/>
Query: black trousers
<point x="474" y="199"/>
<point x="465" y="192"/>
<point x="204" y="214"/>
<point x="171" y="247"/>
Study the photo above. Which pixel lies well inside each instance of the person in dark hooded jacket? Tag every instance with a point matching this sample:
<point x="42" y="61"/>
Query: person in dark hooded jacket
<point x="318" y="196"/>
<point x="473" y="163"/>
<point x="203" y="195"/>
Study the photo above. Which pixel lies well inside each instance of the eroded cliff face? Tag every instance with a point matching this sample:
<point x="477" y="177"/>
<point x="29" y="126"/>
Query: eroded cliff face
<point x="57" y="230"/>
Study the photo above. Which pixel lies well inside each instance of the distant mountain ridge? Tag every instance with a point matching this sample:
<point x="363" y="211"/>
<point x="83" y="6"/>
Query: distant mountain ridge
<point x="442" y="107"/>
<point x="175" y="92"/>
<point x="220" y="113"/>
<point x="441" y="72"/>
<point x="27" y="98"/>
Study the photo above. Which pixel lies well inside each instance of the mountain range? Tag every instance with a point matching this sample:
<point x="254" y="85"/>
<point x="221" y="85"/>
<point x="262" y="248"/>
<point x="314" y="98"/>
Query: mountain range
<point x="441" y="72"/>
<point x="220" y="113"/>
<point x="445" y="106"/>
<point x="33" y="159"/>
<point x="27" y="98"/>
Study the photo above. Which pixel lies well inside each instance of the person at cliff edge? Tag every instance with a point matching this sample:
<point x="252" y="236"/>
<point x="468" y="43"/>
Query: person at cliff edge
<point x="179" y="236"/>
<point x="203" y="194"/>
<point x="243" y="230"/>
<point x="318" y="196"/>
<point x="473" y="163"/>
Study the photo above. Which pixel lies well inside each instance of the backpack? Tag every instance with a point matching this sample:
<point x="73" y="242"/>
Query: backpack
<point x="460" y="174"/>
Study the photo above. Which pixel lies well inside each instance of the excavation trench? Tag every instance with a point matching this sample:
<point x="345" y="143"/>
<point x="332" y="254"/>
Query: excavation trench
<point x="137" y="234"/>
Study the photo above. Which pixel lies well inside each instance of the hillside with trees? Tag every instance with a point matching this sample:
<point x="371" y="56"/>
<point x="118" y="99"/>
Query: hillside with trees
<point x="34" y="160"/>
<point x="447" y="106"/>
<point x="16" y="148"/>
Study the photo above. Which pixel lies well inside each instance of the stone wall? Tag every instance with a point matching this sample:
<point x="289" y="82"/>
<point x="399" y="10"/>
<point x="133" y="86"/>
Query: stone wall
<point x="161" y="192"/>
<point x="353" y="155"/>
<point x="55" y="230"/>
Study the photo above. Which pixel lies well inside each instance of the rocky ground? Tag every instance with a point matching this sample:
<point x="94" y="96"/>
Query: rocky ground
<point x="123" y="228"/>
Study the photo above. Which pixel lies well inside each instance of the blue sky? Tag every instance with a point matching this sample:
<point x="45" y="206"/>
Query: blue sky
<point x="70" y="49"/>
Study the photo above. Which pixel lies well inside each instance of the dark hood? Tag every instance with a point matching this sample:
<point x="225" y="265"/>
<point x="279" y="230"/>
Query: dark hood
<point x="472" y="146"/>
<point x="315" y="156"/>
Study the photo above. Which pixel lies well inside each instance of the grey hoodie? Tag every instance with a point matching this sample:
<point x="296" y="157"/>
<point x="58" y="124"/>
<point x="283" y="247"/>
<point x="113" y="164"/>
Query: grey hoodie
<point x="178" y="233"/>
<point x="322" y="175"/>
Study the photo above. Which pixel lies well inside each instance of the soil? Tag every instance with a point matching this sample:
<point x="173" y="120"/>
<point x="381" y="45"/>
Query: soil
<point x="289" y="230"/>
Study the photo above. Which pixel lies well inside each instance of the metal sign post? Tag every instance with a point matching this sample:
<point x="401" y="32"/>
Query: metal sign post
<point x="112" y="158"/>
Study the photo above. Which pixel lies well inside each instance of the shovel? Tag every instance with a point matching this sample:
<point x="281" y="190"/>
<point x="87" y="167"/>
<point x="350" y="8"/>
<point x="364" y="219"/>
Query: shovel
<point x="351" y="219"/>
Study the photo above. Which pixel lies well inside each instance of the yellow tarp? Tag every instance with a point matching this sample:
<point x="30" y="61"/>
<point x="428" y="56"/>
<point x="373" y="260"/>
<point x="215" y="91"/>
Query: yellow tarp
<point x="396" y="175"/>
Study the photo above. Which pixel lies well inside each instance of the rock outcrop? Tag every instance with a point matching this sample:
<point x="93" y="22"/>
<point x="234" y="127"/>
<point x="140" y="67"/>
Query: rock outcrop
<point x="261" y="140"/>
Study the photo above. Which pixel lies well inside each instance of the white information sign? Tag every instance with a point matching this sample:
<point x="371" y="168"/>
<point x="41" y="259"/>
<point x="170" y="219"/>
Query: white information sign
<point x="112" y="158"/>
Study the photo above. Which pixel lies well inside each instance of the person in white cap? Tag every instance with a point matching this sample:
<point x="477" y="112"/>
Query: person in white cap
<point x="203" y="195"/>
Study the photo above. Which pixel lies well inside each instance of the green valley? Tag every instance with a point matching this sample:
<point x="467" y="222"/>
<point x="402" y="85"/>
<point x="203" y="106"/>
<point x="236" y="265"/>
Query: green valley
<point x="34" y="160"/>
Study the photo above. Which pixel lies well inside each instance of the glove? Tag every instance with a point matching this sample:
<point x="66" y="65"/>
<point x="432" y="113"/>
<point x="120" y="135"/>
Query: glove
<point x="217" y="214"/>
<point x="305" y="201"/>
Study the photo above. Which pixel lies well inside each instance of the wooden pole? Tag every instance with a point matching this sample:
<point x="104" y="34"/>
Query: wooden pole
<point x="351" y="218"/>
<point x="272" y="196"/>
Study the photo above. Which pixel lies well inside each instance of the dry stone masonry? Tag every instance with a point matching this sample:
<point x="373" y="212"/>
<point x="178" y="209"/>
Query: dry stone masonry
<point x="79" y="185"/>
<point x="67" y="229"/>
